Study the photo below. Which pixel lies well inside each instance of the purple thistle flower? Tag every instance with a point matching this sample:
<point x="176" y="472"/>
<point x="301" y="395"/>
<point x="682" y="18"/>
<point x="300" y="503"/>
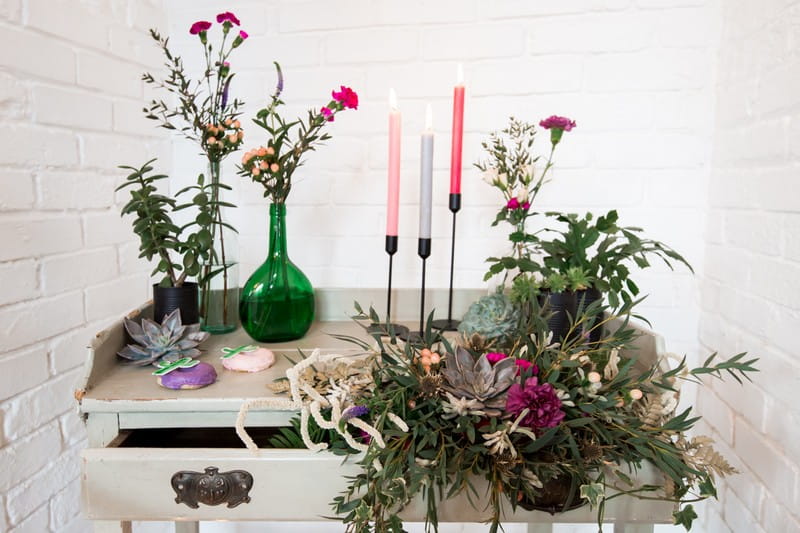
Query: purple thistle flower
<point x="355" y="411"/>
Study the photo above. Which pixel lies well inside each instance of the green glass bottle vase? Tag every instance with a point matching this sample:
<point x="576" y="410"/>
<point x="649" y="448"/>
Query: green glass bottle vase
<point x="277" y="302"/>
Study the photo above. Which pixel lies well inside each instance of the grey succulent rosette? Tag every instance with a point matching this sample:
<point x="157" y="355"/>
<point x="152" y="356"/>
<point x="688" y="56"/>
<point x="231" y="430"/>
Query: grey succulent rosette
<point x="168" y="341"/>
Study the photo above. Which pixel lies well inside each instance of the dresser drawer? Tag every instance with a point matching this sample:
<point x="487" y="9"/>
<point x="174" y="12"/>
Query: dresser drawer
<point x="127" y="481"/>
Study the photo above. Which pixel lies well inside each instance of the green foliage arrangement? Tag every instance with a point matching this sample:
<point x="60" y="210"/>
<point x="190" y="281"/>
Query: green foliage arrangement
<point x="159" y="236"/>
<point x="542" y="425"/>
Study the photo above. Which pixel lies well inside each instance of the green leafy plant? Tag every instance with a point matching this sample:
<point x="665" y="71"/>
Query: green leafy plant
<point x="274" y="164"/>
<point x="159" y="236"/>
<point x="599" y="253"/>
<point x="504" y="428"/>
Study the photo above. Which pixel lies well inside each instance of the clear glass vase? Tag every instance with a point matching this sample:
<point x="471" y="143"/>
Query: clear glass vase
<point x="277" y="302"/>
<point x="219" y="275"/>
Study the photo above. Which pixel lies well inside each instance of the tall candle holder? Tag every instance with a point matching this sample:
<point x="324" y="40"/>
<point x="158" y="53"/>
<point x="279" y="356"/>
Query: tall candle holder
<point x="389" y="328"/>
<point x="448" y="324"/>
<point x="418" y="337"/>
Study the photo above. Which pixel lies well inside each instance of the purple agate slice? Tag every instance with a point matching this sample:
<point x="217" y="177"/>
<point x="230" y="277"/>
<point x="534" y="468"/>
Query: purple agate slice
<point x="196" y="377"/>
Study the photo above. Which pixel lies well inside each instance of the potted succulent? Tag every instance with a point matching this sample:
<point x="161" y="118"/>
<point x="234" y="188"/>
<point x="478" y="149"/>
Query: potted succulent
<point x="178" y="250"/>
<point x="277" y="301"/>
<point x="203" y="112"/>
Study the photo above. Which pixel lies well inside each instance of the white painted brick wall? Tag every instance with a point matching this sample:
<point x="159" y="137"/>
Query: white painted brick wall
<point x="750" y="288"/>
<point x="69" y="80"/>
<point x="639" y="76"/>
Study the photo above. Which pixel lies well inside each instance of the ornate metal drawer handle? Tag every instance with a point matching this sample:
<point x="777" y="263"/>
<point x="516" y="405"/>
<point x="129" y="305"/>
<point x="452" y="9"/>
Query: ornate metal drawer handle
<point x="212" y="487"/>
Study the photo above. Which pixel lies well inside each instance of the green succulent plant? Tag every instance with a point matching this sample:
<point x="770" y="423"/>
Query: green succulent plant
<point x="475" y="378"/>
<point x="494" y="318"/>
<point x="168" y="341"/>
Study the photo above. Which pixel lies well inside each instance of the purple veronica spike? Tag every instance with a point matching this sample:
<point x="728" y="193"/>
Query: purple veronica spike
<point x="279" y="87"/>
<point x="225" y="93"/>
<point x="355" y="411"/>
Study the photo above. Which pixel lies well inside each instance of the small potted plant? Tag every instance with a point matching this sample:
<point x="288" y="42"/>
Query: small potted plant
<point x="178" y="250"/>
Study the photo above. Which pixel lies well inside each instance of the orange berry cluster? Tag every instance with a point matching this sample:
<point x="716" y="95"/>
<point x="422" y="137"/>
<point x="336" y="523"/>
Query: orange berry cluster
<point x="428" y="359"/>
<point x="223" y="138"/>
<point x="261" y="160"/>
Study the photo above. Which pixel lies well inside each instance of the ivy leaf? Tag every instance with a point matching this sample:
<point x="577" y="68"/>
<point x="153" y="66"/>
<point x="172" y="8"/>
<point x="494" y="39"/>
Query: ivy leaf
<point x="593" y="492"/>
<point x="684" y="517"/>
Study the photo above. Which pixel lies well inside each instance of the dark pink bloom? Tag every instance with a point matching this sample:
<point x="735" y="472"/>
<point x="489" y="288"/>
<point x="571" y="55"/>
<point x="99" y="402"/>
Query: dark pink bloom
<point x="327" y="113"/>
<point x="513" y="204"/>
<point x="347" y="97"/>
<point x="200" y="25"/>
<point x="541" y="400"/>
<point x="526" y="206"/>
<point x="555" y="121"/>
<point x="523" y="365"/>
<point x="222" y="17"/>
<point x="494" y="357"/>
<point x="243" y="34"/>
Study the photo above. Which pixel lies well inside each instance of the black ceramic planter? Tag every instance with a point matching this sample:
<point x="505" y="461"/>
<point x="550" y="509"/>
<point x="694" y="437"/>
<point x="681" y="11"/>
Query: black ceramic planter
<point x="167" y="299"/>
<point x="560" y="308"/>
<point x="584" y="299"/>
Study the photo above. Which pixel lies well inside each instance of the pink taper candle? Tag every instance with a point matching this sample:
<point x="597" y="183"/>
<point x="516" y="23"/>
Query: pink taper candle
<point x="458" y="134"/>
<point x="393" y="202"/>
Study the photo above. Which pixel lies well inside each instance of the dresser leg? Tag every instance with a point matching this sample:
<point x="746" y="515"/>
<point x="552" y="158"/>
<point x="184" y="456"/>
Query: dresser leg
<point x="622" y="527"/>
<point x="540" y="528"/>
<point x="187" y="527"/>
<point x="107" y="526"/>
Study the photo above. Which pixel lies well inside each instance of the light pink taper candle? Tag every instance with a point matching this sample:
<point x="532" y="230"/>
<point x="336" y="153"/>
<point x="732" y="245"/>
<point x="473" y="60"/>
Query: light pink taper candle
<point x="393" y="202"/>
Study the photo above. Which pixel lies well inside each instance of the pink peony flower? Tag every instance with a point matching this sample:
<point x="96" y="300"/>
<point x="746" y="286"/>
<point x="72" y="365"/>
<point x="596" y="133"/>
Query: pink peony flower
<point x="347" y="97"/>
<point x="541" y="400"/>
<point x="200" y="25"/>
<point x="494" y="357"/>
<point x="555" y="121"/>
<point x="327" y="113"/>
<point x="227" y="16"/>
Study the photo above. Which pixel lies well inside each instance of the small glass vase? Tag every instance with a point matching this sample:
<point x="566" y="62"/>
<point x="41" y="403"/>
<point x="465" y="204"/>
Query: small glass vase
<point x="277" y="302"/>
<point x="219" y="275"/>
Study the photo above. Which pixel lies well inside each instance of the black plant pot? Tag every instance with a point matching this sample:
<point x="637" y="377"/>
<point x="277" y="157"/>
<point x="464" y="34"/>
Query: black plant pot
<point x="560" y="308"/>
<point x="557" y="495"/>
<point x="167" y="299"/>
<point x="584" y="299"/>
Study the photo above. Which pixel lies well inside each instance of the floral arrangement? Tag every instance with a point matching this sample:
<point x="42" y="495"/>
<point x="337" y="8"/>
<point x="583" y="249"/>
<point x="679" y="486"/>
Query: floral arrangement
<point x="273" y="164"/>
<point x="506" y="412"/>
<point x="202" y="111"/>
<point x="585" y="252"/>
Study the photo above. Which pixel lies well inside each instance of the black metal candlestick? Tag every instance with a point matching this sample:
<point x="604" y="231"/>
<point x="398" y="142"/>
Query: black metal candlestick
<point x="388" y="327"/>
<point x="417" y="337"/>
<point x="448" y="324"/>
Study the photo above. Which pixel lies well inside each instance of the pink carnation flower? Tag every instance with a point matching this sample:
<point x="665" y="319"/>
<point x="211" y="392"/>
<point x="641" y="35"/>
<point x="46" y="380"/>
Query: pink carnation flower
<point x="523" y="365"/>
<point x="200" y="25"/>
<point x="222" y="17"/>
<point x="514" y="204"/>
<point x="555" y="121"/>
<point x="541" y="400"/>
<point x="494" y="357"/>
<point x="327" y="113"/>
<point x="243" y="35"/>
<point x="347" y="97"/>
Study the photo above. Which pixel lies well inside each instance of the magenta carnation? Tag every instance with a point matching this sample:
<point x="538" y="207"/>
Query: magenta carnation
<point x="243" y="35"/>
<point x="494" y="357"/>
<point x="222" y="17"/>
<point x="327" y="113"/>
<point x="555" y="121"/>
<point x="541" y="400"/>
<point x="514" y="204"/>
<point x="200" y="25"/>
<point x="523" y="365"/>
<point x="347" y="97"/>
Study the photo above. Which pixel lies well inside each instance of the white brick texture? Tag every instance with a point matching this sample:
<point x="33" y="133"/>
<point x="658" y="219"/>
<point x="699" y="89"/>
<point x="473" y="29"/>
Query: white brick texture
<point x="69" y="86"/>
<point x="749" y="296"/>
<point x="688" y="116"/>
